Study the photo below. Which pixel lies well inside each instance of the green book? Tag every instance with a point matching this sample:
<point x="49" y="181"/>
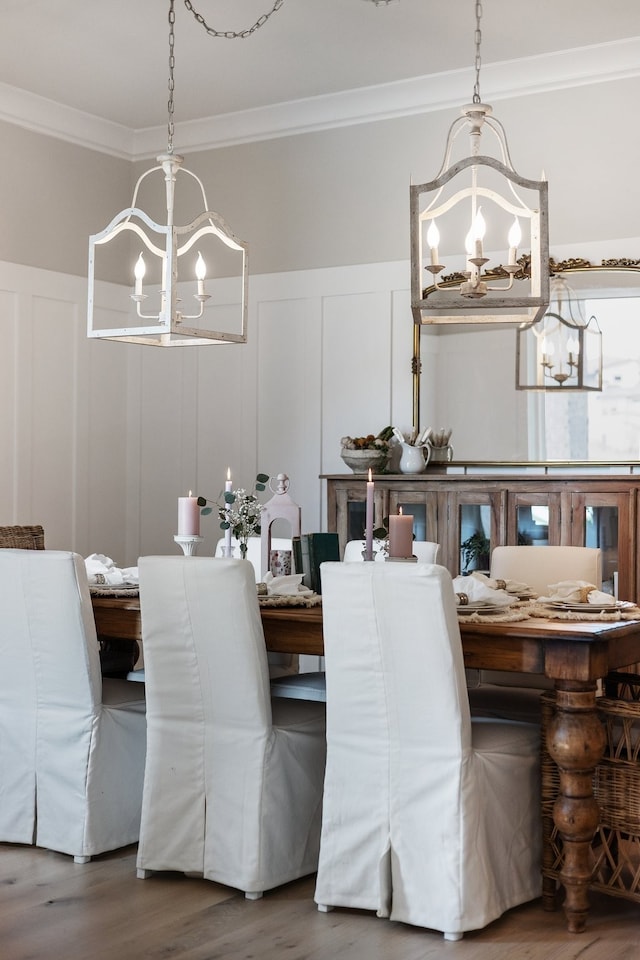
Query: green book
<point x="321" y="547"/>
<point x="296" y="547"/>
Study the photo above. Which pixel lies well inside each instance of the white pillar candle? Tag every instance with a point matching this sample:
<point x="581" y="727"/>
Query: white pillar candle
<point x="188" y="516"/>
<point x="400" y="536"/>
<point x="368" y="547"/>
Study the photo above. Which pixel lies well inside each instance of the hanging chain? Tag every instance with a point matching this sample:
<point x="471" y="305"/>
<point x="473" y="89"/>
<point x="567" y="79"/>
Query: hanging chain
<point x="478" y="61"/>
<point x="230" y="34"/>
<point x="227" y="34"/>
<point x="172" y="63"/>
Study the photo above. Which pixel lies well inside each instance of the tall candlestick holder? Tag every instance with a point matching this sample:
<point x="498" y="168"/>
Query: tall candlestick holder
<point x="189" y="544"/>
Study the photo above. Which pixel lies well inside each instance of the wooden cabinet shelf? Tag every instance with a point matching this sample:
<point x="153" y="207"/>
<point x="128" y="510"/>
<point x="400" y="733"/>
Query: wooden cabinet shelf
<point x="505" y="509"/>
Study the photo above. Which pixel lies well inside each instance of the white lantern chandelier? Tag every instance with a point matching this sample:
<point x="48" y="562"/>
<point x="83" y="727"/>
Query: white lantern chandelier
<point x="562" y="350"/>
<point x="497" y="209"/>
<point x="164" y="321"/>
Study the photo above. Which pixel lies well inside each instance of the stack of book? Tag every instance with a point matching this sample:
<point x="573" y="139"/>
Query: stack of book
<point x="309" y="551"/>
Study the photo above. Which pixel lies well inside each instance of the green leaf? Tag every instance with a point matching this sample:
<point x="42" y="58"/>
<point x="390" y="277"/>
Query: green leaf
<point x="229" y="497"/>
<point x="262" y="478"/>
<point x="202" y="502"/>
<point x="206" y="511"/>
<point x="260" y="486"/>
<point x="225" y="525"/>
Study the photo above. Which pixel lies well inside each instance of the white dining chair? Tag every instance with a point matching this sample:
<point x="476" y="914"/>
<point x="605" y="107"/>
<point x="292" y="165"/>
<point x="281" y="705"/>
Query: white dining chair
<point x="281" y="665"/>
<point x="72" y="744"/>
<point x="429" y="818"/>
<point x="233" y="780"/>
<point x="539" y="567"/>
<point x="424" y="550"/>
<point x="517" y="695"/>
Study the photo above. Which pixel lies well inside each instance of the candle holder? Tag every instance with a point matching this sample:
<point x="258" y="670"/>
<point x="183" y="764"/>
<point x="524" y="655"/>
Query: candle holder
<point x="227" y="551"/>
<point x="189" y="544"/>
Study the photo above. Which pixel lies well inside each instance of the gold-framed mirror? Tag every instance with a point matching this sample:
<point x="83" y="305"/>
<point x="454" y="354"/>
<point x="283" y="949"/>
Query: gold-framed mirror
<point x="464" y="377"/>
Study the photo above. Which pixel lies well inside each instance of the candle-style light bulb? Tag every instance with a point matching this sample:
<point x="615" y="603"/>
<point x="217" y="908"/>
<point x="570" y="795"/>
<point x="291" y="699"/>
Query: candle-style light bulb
<point x="201" y="272"/>
<point x="139" y="271"/>
<point x="479" y="226"/>
<point x="514" y="239"/>
<point x="477" y="232"/>
<point x="433" y="239"/>
<point x="468" y="242"/>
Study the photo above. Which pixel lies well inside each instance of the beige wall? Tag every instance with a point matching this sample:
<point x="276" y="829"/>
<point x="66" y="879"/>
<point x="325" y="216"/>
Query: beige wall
<point x="53" y="195"/>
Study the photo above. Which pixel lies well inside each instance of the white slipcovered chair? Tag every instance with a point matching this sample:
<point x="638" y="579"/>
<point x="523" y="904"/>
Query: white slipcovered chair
<point x="72" y="745"/>
<point x="517" y="695"/>
<point x="429" y="818"/>
<point x="233" y="782"/>
<point x="425" y="550"/>
<point x="281" y="665"/>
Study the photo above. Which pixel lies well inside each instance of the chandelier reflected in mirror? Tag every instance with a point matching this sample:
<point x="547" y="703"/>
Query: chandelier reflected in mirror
<point x="473" y="206"/>
<point x="562" y="350"/>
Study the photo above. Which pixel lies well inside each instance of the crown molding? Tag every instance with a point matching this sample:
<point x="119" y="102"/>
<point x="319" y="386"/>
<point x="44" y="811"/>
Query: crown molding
<point x="598" y="63"/>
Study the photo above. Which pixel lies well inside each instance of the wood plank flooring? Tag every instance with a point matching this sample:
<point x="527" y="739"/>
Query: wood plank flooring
<point x="52" y="908"/>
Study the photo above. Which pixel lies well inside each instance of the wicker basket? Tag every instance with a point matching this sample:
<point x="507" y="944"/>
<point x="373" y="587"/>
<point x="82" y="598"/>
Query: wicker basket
<point x="616" y="786"/>
<point x="22" y="538"/>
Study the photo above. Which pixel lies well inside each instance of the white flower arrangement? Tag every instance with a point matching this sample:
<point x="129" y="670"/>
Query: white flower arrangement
<point x="239" y="511"/>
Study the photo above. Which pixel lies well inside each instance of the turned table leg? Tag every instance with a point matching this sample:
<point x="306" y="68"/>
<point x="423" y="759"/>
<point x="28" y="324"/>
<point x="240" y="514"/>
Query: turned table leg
<point x="576" y="741"/>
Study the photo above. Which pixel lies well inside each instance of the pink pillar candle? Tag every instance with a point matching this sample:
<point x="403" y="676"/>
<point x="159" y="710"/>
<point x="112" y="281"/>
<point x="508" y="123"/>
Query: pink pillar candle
<point x="188" y="517"/>
<point x="368" y="530"/>
<point x="400" y="536"/>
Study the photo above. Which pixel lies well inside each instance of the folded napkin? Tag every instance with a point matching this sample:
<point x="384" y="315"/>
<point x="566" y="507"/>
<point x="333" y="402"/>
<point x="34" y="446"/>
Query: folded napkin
<point x="511" y="586"/>
<point x="579" y="591"/>
<point x="288" y="586"/>
<point x="102" y="570"/>
<point x="476" y="591"/>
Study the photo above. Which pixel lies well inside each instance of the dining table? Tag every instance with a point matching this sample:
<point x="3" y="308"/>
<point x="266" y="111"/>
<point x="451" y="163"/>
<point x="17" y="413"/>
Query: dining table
<point x="575" y="654"/>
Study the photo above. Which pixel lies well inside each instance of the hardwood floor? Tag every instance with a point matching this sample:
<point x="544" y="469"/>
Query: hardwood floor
<point x="52" y="908"/>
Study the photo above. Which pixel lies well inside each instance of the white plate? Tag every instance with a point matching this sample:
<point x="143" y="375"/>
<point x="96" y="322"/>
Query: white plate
<point x="589" y="607"/>
<point x="479" y="607"/>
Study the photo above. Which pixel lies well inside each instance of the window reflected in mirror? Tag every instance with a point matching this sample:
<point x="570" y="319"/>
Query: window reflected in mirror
<point x="597" y="425"/>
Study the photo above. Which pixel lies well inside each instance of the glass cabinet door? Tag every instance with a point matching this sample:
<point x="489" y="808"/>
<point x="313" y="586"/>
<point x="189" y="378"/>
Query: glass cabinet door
<point x="474" y="527"/>
<point x="603" y="520"/>
<point x="533" y="519"/>
<point x="350" y="511"/>
<point x="423" y="507"/>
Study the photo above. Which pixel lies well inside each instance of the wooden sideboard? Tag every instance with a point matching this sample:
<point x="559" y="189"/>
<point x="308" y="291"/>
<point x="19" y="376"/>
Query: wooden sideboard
<point x="507" y="508"/>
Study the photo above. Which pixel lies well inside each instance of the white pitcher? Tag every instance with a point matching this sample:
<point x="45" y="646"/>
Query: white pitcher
<point x="413" y="457"/>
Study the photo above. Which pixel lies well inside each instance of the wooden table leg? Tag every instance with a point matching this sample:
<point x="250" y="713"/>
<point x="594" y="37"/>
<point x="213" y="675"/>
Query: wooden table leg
<point x="576" y="741"/>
